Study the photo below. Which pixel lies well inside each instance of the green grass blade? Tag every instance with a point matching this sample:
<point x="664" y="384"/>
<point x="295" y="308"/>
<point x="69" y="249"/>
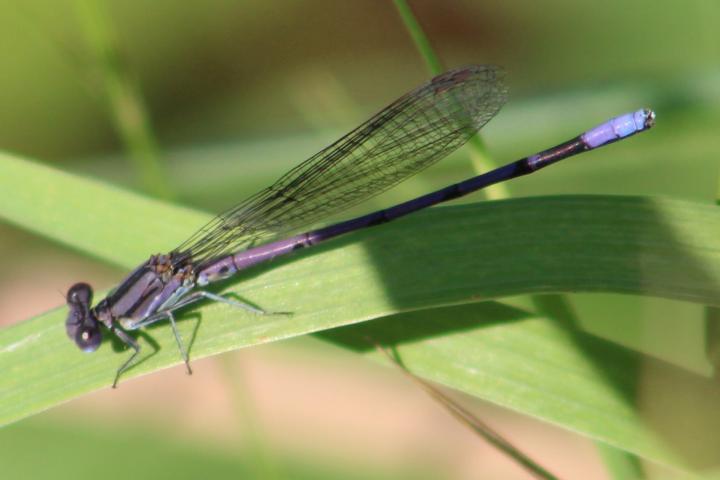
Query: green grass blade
<point x="70" y="209"/>
<point x="127" y="108"/>
<point x="589" y="243"/>
<point x="443" y="256"/>
<point x="419" y="38"/>
<point x="478" y="150"/>
<point x="470" y="420"/>
<point x="525" y="363"/>
<point x="556" y="306"/>
<point x="620" y="464"/>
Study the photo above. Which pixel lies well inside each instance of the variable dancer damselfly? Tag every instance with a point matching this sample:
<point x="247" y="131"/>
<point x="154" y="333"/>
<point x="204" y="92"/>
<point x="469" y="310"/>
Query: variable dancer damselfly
<point x="409" y="135"/>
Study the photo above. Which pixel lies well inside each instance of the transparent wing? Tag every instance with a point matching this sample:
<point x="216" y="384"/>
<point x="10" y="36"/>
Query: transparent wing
<point x="409" y="135"/>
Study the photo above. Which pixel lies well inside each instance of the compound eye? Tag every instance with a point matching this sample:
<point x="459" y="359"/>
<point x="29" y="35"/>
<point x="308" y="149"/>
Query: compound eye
<point x="80" y="294"/>
<point x="88" y="339"/>
<point x="74" y="321"/>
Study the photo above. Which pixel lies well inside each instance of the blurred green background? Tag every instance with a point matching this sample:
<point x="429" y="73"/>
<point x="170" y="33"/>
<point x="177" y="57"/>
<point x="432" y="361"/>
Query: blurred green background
<point x="237" y="93"/>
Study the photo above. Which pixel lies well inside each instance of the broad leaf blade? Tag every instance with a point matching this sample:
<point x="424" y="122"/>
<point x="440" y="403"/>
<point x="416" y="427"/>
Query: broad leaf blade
<point x="444" y="256"/>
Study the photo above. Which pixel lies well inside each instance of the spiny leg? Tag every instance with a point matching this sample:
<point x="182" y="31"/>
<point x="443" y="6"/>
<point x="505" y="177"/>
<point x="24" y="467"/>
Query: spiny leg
<point x="201" y="295"/>
<point x="130" y="342"/>
<point x="133" y="324"/>
<point x="190" y="299"/>
<point x="178" y="339"/>
<point x="195" y="296"/>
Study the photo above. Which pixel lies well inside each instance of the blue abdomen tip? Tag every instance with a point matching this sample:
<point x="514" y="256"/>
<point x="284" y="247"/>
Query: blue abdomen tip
<point x="619" y="127"/>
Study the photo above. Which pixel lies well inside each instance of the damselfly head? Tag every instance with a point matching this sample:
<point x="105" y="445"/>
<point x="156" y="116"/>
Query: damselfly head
<point x="81" y="325"/>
